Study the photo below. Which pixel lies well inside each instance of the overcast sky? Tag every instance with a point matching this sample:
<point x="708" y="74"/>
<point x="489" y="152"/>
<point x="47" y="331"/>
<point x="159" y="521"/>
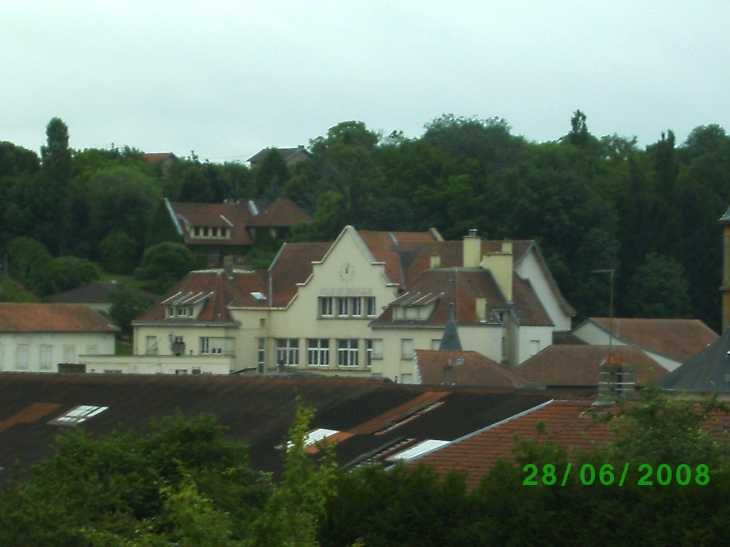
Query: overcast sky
<point x="227" y="78"/>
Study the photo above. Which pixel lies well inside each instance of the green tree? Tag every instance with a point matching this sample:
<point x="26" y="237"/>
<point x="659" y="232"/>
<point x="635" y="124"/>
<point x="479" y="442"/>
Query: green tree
<point x="668" y="430"/>
<point x="127" y="305"/>
<point x="67" y="272"/>
<point x="291" y="515"/>
<point x="658" y="289"/>
<point x="271" y="176"/>
<point x="162" y="227"/>
<point x="166" y="263"/>
<point x="56" y="163"/>
<point x="121" y="198"/>
<point x="119" y="252"/>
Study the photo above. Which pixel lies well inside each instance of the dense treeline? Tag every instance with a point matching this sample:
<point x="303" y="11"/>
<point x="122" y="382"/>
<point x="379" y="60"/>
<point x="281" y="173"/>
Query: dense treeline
<point x="184" y="484"/>
<point x="592" y="203"/>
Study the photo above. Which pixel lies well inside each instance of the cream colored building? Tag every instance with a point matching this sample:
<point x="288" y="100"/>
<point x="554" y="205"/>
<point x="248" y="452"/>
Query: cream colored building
<point x="324" y="307"/>
<point x="37" y="337"/>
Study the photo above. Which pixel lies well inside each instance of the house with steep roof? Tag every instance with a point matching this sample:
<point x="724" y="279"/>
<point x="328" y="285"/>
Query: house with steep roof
<point x="97" y="295"/>
<point x="670" y="342"/>
<point x="38" y="337"/>
<point x="505" y="304"/>
<point x="215" y="230"/>
<point x="563" y="365"/>
<point x="291" y="156"/>
<point x="328" y="308"/>
<point x="706" y="372"/>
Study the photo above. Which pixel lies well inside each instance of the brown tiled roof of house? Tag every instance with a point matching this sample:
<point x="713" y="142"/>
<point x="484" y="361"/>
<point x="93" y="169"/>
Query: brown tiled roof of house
<point x="565" y="365"/>
<point x="678" y="338"/>
<point x="415" y="257"/>
<point x="293" y="265"/>
<point x="283" y="212"/>
<point x="567" y="423"/>
<point x="214" y="215"/>
<point x="217" y="290"/>
<point x="469" y="368"/>
<point x="385" y="246"/>
<point x="52" y="318"/>
<point x="287" y="153"/>
<point x="157" y="157"/>
<point x="462" y="287"/>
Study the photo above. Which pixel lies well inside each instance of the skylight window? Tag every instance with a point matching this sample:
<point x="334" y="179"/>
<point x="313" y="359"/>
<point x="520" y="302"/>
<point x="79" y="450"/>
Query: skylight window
<point x="78" y="415"/>
<point x="420" y="449"/>
<point x="258" y="296"/>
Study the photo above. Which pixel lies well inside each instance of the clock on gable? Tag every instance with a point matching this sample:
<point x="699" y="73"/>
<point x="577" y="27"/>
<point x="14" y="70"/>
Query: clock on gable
<point x="347" y="271"/>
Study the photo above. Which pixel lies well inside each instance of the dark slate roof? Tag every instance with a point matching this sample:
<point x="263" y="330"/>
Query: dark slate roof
<point x="707" y="372"/>
<point x="287" y="153"/>
<point x="450" y="339"/>
<point x="373" y="419"/>
<point x="469" y="368"/>
<point x="96" y="292"/>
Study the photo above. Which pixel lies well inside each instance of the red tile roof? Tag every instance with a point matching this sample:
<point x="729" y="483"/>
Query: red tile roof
<point x="52" y="318"/>
<point x="566" y="365"/>
<point x="567" y="423"/>
<point x="158" y="157"/>
<point x="214" y="215"/>
<point x="469" y="368"/>
<point x="218" y="290"/>
<point x="462" y="287"/>
<point x="281" y="213"/>
<point x="678" y="338"/>
<point x="293" y="265"/>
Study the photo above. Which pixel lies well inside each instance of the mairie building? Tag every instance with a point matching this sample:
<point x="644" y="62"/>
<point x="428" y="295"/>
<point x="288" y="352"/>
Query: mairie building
<point x="359" y="306"/>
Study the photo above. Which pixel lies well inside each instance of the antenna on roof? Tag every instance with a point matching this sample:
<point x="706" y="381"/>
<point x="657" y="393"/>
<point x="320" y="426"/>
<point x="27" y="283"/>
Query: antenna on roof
<point x="612" y="272"/>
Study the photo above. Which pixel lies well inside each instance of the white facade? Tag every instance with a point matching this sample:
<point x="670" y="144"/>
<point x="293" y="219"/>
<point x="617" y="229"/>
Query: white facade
<point x="43" y="351"/>
<point x="326" y="328"/>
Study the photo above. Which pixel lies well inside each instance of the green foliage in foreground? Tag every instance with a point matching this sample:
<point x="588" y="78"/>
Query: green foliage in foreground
<point x="184" y="484"/>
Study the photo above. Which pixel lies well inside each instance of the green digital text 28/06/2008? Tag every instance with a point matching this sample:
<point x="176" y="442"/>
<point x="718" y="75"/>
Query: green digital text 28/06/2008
<point x="683" y="474"/>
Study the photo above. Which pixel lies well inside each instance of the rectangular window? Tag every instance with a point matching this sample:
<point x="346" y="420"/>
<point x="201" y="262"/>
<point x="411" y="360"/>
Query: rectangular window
<point x="69" y="354"/>
<point x="45" y="357"/>
<point x="369" y="351"/>
<point x="171" y="312"/>
<point x="287" y="351"/>
<point x="343" y="307"/>
<point x="325" y="306"/>
<point x="357" y="307"/>
<point x="407" y="348"/>
<point x="216" y="345"/>
<point x="21" y="357"/>
<point x="182" y="311"/>
<point x="435" y="343"/>
<point x="262" y="355"/>
<point x="411" y="313"/>
<point x="378" y="348"/>
<point x="347" y="352"/>
<point x="151" y="347"/>
<point x="318" y="351"/>
<point x="204" y="345"/>
<point x="370" y="306"/>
